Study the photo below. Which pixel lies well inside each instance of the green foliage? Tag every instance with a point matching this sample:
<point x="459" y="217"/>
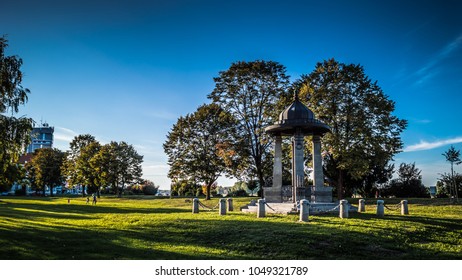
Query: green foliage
<point x="365" y="135"/>
<point x="118" y="165"/>
<point x="185" y="188"/>
<point x="453" y="156"/>
<point x="446" y="182"/>
<point x="408" y="184"/>
<point x="77" y="165"/>
<point x="195" y="144"/>
<point x="14" y="132"/>
<point x="45" y="169"/>
<point x="144" y="228"/>
<point x="147" y="187"/>
<point x="249" y="91"/>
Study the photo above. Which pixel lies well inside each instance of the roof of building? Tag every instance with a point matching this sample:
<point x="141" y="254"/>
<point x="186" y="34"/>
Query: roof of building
<point x="297" y="116"/>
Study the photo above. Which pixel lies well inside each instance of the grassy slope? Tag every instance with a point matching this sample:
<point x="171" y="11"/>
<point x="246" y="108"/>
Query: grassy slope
<point x="140" y="228"/>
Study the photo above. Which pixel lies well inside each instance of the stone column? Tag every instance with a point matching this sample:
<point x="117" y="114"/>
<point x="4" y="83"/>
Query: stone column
<point x="343" y="213"/>
<point x="380" y="208"/>
<point x="317" y="163"/>
<point x="404" y="208"/>
<point x="298" y="162"/>
<point x="195" y="206"/>
<point x="222" y="206"/>
<point x="277" y="167"/>
<point x="230" y="204"/>
<point x="304" y="210"/>
<point x="362" y="206"/>
<point x="261" y="213"/>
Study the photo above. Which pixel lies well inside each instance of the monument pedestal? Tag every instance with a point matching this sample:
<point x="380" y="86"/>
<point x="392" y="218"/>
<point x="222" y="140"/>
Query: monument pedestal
<point x="321" y="194"/>
<point x="273" y="194"/>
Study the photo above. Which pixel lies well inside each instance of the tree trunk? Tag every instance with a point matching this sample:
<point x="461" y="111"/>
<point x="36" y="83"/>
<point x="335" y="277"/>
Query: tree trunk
<point x="51" y="190"/>
<point x="207" y="195"/>
<point x="98" y="193"/>
<point x="83" y="191"/>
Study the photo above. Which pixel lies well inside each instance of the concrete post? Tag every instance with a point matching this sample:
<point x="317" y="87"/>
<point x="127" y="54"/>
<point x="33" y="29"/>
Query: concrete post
<point x="195" y="206"/>
<point x="362" y="205"/>
<point x="343" y="213"/>
<point x="299" y="164"/>
<point x="261" y="213"/>
<point x="304" y="210"/>
<point x="222" y="206"/>
<point x="404" y="208"/>
<point x="230" y="204"/>
<point x="317" y="163"/>
<point x="277" y="165"/>
<point x="380" y="208"/>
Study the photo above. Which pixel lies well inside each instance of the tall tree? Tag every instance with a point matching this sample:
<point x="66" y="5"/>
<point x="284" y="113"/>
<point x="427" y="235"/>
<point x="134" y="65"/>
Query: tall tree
<point x="76" y="166"/>
<point x="195" y="144"/>
<point x="365" y="133"/>
<point x="249" y="91"/>
<point x="46" y="168"/>
<point x="117" y="165"/>
<point x="14" y="132"/>
<point x="453" y="156"/>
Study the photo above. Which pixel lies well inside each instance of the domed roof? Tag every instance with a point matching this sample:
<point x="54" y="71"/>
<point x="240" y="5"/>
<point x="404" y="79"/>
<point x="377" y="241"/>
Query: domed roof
<point x="296" y="112"/>
<point x="297" y="117"/>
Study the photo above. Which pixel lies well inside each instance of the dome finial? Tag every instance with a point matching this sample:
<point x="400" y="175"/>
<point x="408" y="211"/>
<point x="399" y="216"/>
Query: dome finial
<point x="295" y="95"/>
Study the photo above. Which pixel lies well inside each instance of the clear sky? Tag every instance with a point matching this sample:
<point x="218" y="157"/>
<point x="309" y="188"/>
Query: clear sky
<point x="126" y="70"/>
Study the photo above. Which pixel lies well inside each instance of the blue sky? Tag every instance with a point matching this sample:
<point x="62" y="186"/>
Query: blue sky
<point x="126" y="70"/>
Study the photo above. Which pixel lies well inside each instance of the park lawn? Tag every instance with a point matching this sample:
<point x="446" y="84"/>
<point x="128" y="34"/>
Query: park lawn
<point x="152" y="228"/>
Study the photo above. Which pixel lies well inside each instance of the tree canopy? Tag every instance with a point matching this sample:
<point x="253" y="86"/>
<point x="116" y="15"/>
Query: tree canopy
<point x="46" y="168"/>
<point x="14" y="132"/>
<point x="453" y="156"/>
<point x="365" y="133"/>
<point x="117" y="165"/>
<point x="249" y="91"/>
<point x="194" y="145"/>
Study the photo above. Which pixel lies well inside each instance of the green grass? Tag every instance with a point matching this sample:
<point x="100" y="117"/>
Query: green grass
<point x="147" y="228"/>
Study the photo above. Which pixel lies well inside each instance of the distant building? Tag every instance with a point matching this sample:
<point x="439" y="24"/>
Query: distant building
<point x="432" y="191"/>
<point x="42" y="137"/>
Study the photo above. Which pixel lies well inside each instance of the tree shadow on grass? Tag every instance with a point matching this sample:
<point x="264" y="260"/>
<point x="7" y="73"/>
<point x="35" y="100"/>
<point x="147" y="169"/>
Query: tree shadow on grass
<point x="210" y="236"/>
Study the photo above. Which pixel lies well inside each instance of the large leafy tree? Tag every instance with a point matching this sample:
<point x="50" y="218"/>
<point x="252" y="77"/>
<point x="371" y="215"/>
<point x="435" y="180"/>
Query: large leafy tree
<point x="365" y="133"/>
<point x="45" y="168"/>
<point x="196" y="144"/>
<point x="117" y="164"/>
<point x="14" y="132"/>
<point x="77" y="165"/>
<point x="453" y="156"/>
<point x="249" y="91"/>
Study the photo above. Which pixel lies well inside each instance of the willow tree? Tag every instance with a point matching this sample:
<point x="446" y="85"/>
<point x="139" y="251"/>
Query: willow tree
<point x="14" y="132"/>
<point x="365" y="133"/>
<point x="250" y="91"/>
<point x="195" y="144"/>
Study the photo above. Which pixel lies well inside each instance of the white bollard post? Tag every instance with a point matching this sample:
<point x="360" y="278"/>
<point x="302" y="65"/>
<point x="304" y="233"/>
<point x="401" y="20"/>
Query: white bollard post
<point x="222" y="206"/>
<point x="404" y="208"/>
<point x="304" y="210"/>
<point x="380" y="208"/>
<point x="261" y="212"/>
<point x="362" y="206"/>
<point x="230" y="204"/>
<point x="343" y="213"/>
<point x="195" y="206"/>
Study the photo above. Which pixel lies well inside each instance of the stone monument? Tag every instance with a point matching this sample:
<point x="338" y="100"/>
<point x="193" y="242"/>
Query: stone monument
<point x="297" y="121"/>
